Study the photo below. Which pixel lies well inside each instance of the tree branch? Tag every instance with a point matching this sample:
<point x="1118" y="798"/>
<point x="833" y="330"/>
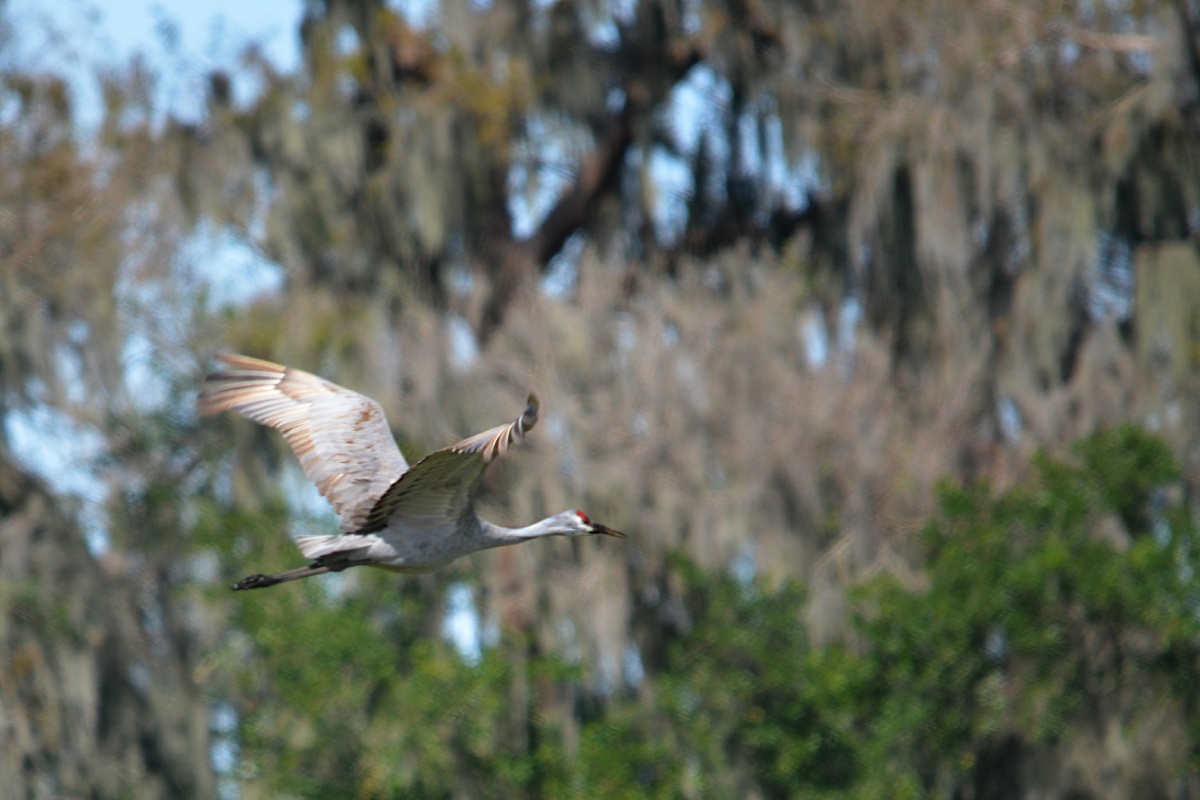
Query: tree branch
<point x="596" y="177"/>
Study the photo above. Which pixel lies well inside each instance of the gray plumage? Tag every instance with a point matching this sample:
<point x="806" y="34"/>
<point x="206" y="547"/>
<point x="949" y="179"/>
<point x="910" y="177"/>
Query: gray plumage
<point x="392" y="516"/>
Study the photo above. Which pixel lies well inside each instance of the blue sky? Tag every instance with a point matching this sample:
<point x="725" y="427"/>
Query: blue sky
<point x="183" y="41"/>
<point x="206" y="31"/>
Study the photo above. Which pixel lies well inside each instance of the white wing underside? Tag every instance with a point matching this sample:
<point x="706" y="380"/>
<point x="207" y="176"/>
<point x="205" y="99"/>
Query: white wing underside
<point x="341" y="438"/>
<point x="346" y="448"/>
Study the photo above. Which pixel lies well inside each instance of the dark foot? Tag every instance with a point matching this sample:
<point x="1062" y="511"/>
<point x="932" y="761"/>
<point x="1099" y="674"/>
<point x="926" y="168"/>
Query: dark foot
<point x="255" y="582"/>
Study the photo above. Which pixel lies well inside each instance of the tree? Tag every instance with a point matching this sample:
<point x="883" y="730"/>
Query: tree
<point x="775" y="270"/>
<point x="96" y="684"/>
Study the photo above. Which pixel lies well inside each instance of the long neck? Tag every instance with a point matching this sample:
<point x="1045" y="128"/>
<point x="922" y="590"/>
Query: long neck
<point x="497" y="535"/>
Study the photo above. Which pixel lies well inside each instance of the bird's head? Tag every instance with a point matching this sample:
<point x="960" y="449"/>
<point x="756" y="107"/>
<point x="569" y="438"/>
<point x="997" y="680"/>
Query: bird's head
<point x="577" y="523"/>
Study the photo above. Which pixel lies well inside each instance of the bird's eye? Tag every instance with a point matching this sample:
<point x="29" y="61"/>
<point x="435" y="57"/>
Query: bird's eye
<point x="583" y="518"/>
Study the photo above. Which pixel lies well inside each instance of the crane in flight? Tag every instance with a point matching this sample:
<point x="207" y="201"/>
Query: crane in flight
<point x="396" y="517"/>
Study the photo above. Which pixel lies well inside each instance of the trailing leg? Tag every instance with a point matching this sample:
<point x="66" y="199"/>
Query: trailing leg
<point x="261" y="581"/>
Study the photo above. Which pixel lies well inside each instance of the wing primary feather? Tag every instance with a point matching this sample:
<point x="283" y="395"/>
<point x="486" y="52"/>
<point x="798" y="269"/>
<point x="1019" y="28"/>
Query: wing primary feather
<point x="341" y="438"/>
<point x="443" y="484"/>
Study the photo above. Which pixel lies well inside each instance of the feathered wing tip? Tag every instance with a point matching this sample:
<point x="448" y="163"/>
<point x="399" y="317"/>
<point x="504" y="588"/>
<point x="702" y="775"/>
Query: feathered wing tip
<point x="529" y="416"/>
<point x="241" y="379"/>
<point x="341" y="438"/>
<point x="494" y="443"/>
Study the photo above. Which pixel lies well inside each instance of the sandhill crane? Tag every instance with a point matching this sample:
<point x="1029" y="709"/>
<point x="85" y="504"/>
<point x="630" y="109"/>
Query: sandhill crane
<point x="398" y="518"/>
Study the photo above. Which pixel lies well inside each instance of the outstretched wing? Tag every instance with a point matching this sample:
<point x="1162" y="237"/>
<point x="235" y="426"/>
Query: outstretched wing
<point x="440" y="487"/>
<point x="341" y="437"/>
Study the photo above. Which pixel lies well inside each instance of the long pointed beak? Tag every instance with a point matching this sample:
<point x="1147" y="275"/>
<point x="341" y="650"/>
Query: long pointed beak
<point x="607" y="531"/>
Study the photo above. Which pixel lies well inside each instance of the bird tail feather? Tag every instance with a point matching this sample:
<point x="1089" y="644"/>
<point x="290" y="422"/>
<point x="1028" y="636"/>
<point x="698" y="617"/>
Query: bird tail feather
<point x="321" y="546"/>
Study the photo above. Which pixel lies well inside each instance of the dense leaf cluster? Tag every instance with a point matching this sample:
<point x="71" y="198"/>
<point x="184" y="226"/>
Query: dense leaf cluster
<point x="1040" y="607"/>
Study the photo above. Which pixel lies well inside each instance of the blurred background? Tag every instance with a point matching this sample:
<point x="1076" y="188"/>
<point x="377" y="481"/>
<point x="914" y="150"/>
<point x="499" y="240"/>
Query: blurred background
<point x="874" y="323"/>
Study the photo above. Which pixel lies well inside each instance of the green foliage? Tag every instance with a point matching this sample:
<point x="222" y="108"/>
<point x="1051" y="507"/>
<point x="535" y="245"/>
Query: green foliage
<point x="347" y="694"/>
<point x="1037" y="607"/>
<point x="743" y="685"/>
<point x="1031" y="618"/>
<point x="742" y="700"/>
<point x="343" y="700"/>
